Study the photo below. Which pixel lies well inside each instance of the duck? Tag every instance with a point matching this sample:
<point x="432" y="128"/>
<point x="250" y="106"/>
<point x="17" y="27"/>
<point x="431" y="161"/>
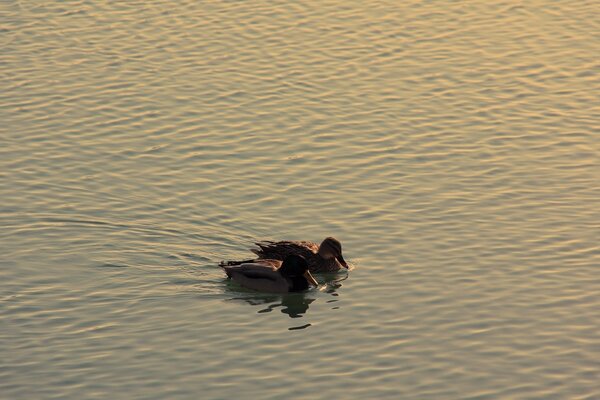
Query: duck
<point x="273" y="276"/>
<point x="326" y="257"/>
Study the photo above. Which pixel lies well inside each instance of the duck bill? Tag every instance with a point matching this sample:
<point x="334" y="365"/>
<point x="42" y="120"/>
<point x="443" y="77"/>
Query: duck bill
<point x="342" y="261"/>
<point x="310" y="278"/>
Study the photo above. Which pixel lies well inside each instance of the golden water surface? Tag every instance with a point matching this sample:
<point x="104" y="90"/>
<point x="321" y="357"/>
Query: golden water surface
<point x="452" y="147"/>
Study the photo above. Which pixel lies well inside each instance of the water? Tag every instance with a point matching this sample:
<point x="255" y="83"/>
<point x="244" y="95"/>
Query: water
<point x="453" y="148"/>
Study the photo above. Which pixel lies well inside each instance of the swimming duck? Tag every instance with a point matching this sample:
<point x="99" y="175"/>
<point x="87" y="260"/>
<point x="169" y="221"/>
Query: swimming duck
<point x="275" y="276"/>
<point x="326" y="257"/>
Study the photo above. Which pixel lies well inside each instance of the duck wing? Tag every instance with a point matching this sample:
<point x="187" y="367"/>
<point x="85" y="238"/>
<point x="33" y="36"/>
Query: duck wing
<point x="280" y="250"/>
<point x="266" y="267"/>
<point x="275" y="264"/>
<point x="261" y="276"/>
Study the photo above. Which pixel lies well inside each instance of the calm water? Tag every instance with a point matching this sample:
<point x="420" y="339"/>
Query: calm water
<point x="452" y="147"/>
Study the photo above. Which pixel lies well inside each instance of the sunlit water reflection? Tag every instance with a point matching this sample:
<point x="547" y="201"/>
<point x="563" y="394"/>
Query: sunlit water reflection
<point x="452" y="148"/>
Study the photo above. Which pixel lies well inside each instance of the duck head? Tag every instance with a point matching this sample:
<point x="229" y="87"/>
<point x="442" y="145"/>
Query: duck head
<point x="295" y="269"/>
<point x="332" y="248"/>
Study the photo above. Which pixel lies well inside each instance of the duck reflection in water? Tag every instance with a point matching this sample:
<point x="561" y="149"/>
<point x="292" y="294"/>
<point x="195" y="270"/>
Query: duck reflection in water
<point x="295" y="305"/>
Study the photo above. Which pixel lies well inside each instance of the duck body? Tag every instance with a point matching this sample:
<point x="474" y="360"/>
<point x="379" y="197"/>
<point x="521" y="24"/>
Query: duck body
<point x="273" y="276"/>
<point x="326" y="257"/>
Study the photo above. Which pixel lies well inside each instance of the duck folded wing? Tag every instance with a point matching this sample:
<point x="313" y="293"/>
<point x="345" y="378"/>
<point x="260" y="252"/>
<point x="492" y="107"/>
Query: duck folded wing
<point x="274" y="264"/>
<point x="254" y="268"/>
<point x="280" y="250"/>
<point x="261" y="277"/>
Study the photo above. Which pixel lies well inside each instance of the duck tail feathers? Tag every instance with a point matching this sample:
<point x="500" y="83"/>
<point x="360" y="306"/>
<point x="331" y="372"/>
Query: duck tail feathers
<point x="263" y="247"/>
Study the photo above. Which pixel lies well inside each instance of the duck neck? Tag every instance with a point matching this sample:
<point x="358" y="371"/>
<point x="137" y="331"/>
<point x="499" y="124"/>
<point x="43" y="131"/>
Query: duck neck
<point x="322" y="256"/>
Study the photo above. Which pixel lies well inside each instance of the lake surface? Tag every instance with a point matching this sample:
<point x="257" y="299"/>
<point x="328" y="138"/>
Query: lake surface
<point x="452" y="147"/>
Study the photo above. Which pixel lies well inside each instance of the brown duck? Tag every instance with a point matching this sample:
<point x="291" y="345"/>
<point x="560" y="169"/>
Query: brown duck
<point x="326" y="257"/>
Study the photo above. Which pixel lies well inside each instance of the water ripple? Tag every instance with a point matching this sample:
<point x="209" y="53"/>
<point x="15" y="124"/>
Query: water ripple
<point x="451" y="147"/>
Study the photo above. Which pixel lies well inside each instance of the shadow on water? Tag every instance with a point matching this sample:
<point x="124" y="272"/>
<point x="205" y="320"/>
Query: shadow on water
<point x="295" y="305"/>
